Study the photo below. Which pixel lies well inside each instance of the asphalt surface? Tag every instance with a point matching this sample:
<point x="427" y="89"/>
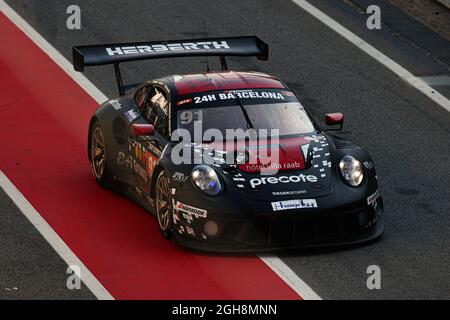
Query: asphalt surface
<point x="407" y="134"/>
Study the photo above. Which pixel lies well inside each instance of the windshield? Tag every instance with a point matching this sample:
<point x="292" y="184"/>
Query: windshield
<point x="289" y="118"/>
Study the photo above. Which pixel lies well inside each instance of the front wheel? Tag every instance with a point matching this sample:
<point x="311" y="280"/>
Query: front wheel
<point x="164" y="205"/>
<point x="98" y="155"/>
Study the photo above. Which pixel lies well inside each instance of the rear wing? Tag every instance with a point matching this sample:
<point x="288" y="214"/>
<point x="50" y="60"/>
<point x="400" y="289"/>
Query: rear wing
<point x="96" y="55"/>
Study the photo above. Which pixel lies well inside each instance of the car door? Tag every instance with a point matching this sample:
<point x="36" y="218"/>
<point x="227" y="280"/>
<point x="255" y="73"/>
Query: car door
<point x="146" y="150"/>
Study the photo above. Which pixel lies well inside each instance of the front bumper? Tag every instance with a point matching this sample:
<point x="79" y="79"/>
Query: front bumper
<point x="255" y="233"/>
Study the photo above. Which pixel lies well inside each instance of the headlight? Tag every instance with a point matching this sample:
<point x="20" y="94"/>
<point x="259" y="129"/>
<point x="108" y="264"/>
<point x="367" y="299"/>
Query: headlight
<point x="206" y="179"/>
<point x="351" y="170"/>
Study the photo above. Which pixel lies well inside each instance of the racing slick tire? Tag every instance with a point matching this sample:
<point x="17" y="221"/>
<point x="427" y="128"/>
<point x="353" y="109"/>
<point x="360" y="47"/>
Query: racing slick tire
<point x="98" y="156"/>
<point x="163" y="205"/>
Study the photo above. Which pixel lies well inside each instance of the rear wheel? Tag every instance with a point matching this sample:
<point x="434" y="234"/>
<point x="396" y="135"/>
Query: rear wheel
<point x="98" y="155"/>
<point x="164" y="204"/>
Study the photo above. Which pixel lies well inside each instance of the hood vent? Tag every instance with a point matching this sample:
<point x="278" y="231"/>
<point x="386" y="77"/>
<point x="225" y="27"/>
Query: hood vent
<point x="340" y="143"/>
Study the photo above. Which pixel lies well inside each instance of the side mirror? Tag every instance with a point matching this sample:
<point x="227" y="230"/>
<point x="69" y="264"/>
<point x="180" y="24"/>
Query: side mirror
<point x="332" y="119"/>
<point x="143" y="130"/>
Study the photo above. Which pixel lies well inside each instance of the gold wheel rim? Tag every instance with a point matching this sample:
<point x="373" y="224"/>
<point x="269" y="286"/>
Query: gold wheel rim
<point x="163" y="206"/>
<point x="98" y="153"/>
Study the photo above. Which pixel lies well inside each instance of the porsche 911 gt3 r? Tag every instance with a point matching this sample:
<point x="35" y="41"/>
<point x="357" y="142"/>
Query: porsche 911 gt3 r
<point x="250" y="190"/>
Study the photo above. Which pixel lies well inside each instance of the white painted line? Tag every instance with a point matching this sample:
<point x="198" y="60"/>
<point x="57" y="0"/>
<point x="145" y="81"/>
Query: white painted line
<point x="290" y="277"/>
<point x="52" y="238"/>
<point x="278" y="266"/>
<point x="404" y="74"/>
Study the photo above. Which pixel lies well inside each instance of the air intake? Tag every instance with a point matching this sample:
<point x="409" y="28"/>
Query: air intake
<point x="344" y="144"/>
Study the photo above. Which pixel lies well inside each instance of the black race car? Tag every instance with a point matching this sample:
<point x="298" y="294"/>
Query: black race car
<point x="229" y="161"/>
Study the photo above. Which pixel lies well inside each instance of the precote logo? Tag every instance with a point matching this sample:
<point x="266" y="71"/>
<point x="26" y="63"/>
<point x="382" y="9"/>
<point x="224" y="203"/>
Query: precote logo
<point x="283" y="179"/>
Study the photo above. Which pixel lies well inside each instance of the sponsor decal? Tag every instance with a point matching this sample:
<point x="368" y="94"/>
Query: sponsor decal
<point x="176" y="218"/>
<point x="140" y="171"/>
<point x="150" y="163"/>
<point x="294" y="204"/>
<point x="116" y="104"/>
<point x="190" y="231"/>
<point x="129" y="162"/>
<point x="180" y="177"/>
<point x="369" y="165"/>
<point x="182" y="46"/>
<point x="144" y="161"/>
<point x="371" y="200"/>
<point x="301" y="178"/>
<point x="191" y="211"/>
<point x="187" y="217"/>
<point x="239" y="94"/>
<point x="188" y="116"/>
<point x="181" y="102"/>
<point x="289" y="193"/>
<point x="131" y="115"/>
<point x="151" y="147"/>
<point x="272" y="166"/>
<point x="123" y="160"/>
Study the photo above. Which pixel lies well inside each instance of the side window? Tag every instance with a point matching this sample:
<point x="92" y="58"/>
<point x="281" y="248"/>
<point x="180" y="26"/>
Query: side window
<point x="157" y="112"/>
<point x="141" y="96"/>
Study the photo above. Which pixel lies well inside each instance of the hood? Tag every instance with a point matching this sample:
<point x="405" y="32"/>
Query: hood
<point x="302" y="167"/>
<point x="256" y="156"/>
<point x="287" y="155"/>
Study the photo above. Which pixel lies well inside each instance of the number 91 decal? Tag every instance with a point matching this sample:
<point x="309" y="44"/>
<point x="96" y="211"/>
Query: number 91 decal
<point x="186" y="117"/>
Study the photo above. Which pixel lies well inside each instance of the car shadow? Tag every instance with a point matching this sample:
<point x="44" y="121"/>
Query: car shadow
<point x="286" y="253"/>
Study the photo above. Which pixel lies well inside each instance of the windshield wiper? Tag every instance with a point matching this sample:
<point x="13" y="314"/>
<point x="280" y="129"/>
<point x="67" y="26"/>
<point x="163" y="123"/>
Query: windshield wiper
<point x="244" y="112"/>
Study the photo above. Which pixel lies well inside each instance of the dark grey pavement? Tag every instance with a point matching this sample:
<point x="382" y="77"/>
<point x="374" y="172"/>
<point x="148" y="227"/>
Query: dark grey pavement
<point x="407" y="134"/>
